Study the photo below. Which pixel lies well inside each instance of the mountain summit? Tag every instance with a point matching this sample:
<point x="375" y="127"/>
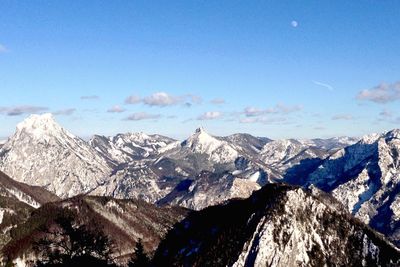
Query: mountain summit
<point x="40" y="126"/>
<point x="203" y="143"/>
<point x="42" y="153"/>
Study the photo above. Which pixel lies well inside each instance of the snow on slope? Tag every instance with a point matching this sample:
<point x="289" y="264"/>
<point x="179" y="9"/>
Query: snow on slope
<point x="283" y="154"/>
<point x="218" y="151"/>
<point x="209" y="189"/>
<point x="42" y="153"/>
<point x="124" y="148"/>
<point x="365" y="177"/>
<point x="279" y="225"/>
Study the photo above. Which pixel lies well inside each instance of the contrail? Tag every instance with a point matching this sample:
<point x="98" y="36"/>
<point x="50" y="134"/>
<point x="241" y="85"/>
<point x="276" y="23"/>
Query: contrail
<point x="329" y="87"/>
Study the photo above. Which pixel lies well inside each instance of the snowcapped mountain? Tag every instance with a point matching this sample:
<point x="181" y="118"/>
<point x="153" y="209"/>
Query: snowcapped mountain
<point x="209" y="189"/>
<point x="151" y="167"/>
<point x="217" y="151"/>
<point x="365" y="177"/>
<point x="247" y="143"/>
<point x="215" y="168"/>
<point x="330" y="144"/>
<point x="123" y="221"/>
<point x="124" y="148"/>
<point x="283" y="154"/>
<point x="279" y="225"/>
<point x="42" y="153"/>
<point x="2" y="142"/>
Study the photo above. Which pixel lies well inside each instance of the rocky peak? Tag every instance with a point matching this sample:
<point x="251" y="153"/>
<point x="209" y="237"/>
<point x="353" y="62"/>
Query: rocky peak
<point x="42" y="153"/>
<point x="278" y="225"/>
<point x="40" y="126"/>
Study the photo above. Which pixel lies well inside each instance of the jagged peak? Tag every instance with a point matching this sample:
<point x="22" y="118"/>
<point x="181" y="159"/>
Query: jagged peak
<point x="395" y="133"/>
<point x="39" y="125"/>
<point x="200" y="130"/>
<point x="200" y="136"/>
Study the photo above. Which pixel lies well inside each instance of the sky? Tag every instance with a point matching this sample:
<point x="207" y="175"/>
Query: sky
<point x="279" y="69"/>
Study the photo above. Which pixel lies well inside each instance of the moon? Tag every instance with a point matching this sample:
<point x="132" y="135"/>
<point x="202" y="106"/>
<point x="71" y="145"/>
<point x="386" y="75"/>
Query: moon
<point x="294" y="23"/>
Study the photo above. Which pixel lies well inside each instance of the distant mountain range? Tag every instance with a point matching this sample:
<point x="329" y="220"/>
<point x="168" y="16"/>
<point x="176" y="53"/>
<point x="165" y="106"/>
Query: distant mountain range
<point x="48" y="164"/>
<point x="151" y="167"/>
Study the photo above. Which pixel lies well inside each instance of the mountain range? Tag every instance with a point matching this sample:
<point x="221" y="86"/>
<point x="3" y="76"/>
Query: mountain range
<point x="151" y="167"/>
<point x="51" y="168"/>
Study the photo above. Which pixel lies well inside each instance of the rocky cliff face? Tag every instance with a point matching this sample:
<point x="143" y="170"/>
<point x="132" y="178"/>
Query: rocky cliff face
<point x="279" y="225"/>
<point x="42" y="153"/>
<point x="365" y="177"/>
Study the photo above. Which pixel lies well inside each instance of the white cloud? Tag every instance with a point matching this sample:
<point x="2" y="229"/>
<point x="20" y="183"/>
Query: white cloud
<point x="161" y="99"/>
<point x="381" y="94"/>
<point x="66" y="112"/>
<point x="346" y="117"/>
<point x="116" y="109"/>
<point x="132" y="100"/>
<point x="210" y="115"/>
<point x="294" y="23"/>
<point x="20" y="110"/>
<point x="142" y="116"/>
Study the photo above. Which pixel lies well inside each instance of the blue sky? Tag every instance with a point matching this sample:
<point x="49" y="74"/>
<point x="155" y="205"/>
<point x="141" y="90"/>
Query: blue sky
<point x="270" y="68"/>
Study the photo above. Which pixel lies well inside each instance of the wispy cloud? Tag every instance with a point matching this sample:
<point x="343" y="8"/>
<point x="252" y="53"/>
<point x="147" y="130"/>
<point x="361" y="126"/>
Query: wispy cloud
<point x="253" y="111"/>
<point x="387" y="116"/>
<point x="277" y="109"/>
<point x="218" y="101"/>
<point x="325" y="85"/>
<point x="262" y="120"/>
<point x="194" y="99"/>
<point x="65" y="112"/>
<point x="284" y="109"/>
<point x="163" y="99"/>
<point x="20" y="110"/>
<point x="319" y="128"/>
<point x="386" y="113"/>
<point x="133" y="99"/>
<point x="142" y="116"/>
<point x="381" y="94"/>
<point x="116" y="109"/>
<point x="346" y="117"/>
<point x="90" y="97"/>
<point x="210" y="115"/>
<point x="3" y="49"/>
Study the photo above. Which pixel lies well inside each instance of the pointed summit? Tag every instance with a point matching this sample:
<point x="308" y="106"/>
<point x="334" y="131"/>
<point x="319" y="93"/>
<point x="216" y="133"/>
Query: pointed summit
<point x="200" y="130"/>
<point x="202" y="142"/>
<point x="200" y="136"/>
<point x="42" y="153"/>
<point x="40" y="126"/>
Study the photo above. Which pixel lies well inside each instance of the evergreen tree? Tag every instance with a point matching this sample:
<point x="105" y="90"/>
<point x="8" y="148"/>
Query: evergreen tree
<point x="140" y="258"/>
<point x="67" y="244"/>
